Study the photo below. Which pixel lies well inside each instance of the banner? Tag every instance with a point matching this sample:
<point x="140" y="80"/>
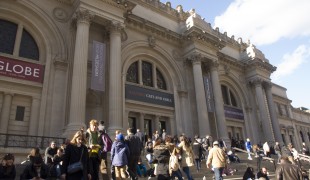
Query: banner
<point x="21" y="69"/>
<point x="208" y="93"/>
<point x="234" y="113"/>
<point x="98" y="66"/>
<point x="137" y="93"/>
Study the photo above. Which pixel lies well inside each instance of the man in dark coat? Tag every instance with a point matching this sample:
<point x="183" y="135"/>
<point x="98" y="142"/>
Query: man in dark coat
<point x="37" y="169"/>
<point x="134" y="145"/>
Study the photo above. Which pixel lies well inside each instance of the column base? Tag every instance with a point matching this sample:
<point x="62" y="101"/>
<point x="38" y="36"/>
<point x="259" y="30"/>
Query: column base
<point x="72" y="128"/>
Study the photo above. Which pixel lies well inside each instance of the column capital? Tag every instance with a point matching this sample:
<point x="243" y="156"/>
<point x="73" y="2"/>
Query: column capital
<point x="84" y="16"/>
<point x="116" y="26"/>
<point x="214" y="65"/>
<point x="8" y="93"/>
<point x="256" y="81"/>
<point x="267" y="85"/>
<point x="195" y="58"/>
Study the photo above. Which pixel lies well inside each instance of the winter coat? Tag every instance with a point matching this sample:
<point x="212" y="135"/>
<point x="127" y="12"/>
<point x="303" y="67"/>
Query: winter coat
<point x="73" y="155"/>
<point x="134" y="144"/>
<point x="217" y="157"/>
<point x="187" y="155"/>
<point x="119" y="153"/>
<point x="288" y="171"/>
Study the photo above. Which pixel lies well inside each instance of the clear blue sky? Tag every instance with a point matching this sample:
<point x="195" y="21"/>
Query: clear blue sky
<point x="279" y="28"/>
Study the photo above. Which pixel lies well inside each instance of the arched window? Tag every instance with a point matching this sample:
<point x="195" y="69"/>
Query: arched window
<point x="147" y="74"/>
<point x="161" y="83"/>
<point x="28" y="48"/>
<point x="228" y="96"/>
<point x="147" y="78"/>
<point x="132" y="73"/>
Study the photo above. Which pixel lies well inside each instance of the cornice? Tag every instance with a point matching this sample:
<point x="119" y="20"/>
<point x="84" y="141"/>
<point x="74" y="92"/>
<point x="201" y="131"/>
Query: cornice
<point x="230" y="61"/>
<point x="164" y="9"/>
<point x="139" y="23"/>
<point x="257" y="63"/>
<point x="198" y="35"/>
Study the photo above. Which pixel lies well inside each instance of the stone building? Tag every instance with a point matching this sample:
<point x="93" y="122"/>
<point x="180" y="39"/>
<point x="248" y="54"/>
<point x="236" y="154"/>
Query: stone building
<point x="135" y="63"/>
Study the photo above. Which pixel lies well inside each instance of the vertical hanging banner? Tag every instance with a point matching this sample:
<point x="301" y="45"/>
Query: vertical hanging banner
<point x="208" y="93"/>
<point x="98" y="66"/>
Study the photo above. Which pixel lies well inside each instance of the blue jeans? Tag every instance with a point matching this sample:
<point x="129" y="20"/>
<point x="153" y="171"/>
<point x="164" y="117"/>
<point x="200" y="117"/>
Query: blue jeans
<point x="177" y="174"/>
<point x="187" y="172"/>
<point x="218" y="173"/>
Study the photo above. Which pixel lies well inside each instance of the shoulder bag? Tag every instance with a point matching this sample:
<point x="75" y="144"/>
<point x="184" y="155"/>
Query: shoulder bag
<point x="77" y="166"/>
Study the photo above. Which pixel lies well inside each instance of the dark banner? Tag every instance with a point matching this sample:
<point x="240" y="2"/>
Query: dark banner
<point x="98" y="66"/>
<point x="21" y="70"/>
<point x="137" y="93"/>
<point x="235" y="113"/>
<point x="208" y="93"/>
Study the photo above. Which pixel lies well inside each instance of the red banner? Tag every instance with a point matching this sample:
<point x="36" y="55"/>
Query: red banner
<point x="20" y="69"/>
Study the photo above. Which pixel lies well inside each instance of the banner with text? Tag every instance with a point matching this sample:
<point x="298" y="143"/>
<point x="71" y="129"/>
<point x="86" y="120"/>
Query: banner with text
<point x="235" y="113"/>
<point x="21" y="70"/>
<point x="137" y="93"/>
<point x="98" y="66"/>
<point x="208" y="93"/>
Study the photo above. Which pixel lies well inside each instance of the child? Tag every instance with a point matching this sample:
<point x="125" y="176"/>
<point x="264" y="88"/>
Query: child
<point x="141" y="169"/>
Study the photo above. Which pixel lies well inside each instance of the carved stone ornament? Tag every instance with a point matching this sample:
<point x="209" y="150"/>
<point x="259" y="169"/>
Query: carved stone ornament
<point x="152" y="41"/>
<point x="60" y="14"/>
<point x="83" y="15"/>
<point x="195" y="58"/>
<point x="116" y="26"/>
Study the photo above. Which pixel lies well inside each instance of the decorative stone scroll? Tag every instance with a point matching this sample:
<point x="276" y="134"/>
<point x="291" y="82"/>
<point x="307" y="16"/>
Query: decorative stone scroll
<point x="83" y="15"/>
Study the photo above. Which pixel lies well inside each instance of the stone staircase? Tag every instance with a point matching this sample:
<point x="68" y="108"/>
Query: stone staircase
<point x="239" y="167"/>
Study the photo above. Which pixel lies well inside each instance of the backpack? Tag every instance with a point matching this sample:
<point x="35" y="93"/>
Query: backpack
<point x="107" y="142"/>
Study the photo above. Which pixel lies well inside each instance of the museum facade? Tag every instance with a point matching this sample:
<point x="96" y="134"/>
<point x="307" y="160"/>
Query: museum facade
<point x="135" y="63"/>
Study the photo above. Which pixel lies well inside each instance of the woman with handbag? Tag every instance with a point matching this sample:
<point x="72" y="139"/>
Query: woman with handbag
<point x="187" y="156"/>
<point x="75" y="160"/>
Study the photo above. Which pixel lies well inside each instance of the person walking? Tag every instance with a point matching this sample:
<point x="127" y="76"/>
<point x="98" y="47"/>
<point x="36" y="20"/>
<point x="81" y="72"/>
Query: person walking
<point x="248" y="147"/>
<point x="287" y="171"/>
<point x="197" y="149"/>
<point x="119" y="157"/>
<point x="277" y="150"/>
<point x="187" y="156"/>
<point x="76" y="151"/>
<point x="135" y="147"/>
<point x="217" y="158"/>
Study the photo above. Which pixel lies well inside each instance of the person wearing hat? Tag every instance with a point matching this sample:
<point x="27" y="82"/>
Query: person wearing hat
<point x="217" y="158"/>
<point x="7" y="167"/>
<point x="119" y="156"/>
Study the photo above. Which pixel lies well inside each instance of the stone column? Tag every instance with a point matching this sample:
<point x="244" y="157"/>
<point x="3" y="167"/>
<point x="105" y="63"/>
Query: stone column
<point x="115" y="79"/>
<point x="202" y="111"/>
<point x="34" y="116"/>
<point x="79" y="74"/>
<point x="172" y="129"/>
<point x="263" y="111"/>
<point x="141" y="123"/>
<point x="218" y="103"/>
<point x="5" y="112"/>
<point x="156" y="123"/>
<point x="272" y="112"/>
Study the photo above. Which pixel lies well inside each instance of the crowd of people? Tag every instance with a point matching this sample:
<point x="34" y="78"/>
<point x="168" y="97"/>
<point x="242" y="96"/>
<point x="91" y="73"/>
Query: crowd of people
<point x="85" y="156"/>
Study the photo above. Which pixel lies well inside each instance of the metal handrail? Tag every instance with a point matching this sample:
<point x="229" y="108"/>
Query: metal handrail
<point x="25" y="141"/>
